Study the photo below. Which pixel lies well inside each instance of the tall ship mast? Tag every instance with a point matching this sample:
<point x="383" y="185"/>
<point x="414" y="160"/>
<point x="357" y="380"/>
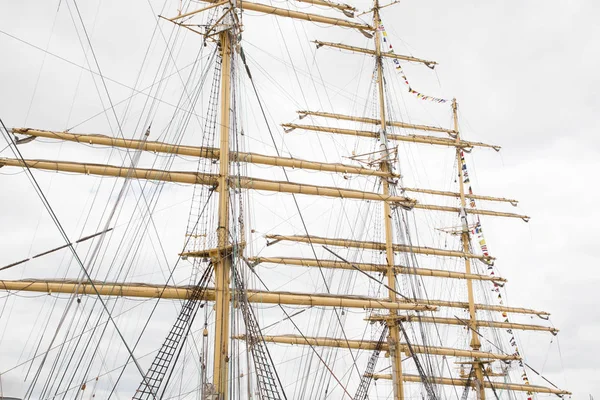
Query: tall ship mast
<point x="297" y="276"/>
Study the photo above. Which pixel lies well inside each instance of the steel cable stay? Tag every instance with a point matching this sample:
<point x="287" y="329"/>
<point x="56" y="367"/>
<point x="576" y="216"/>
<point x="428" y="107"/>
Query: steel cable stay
<point x="417" y="284"/>
<point x="72" y="352"/>
<point x="86" y="323"/>
<point x="92" y="357"/>
<point x="48" y="386"/>
<point x="428" y="385"/>
<point x="363" y="388"/>
<point x="154" y="384"/>
<point x="406" y="237"/>
<point x="45" y="326"/>
<point x="491" y="384"/>
<point x="55" y="363"/>
<point x="234" y="287"/>
<point x="83" y="68"/>
<point x="62" y="232"/>
<point x="200" y="83"/>
<point x="193" y="100"/>
<point x="424" y="378"/>
<point x="247" y="68"/>
<point x="36" y="356"/>
<point x="269" y="383"/>
<point x="190" y="99"/>
<point x="48" y="381"/>
<point x="303" y="336"/>
<point x="465" y="394"/>
<point x="155" y="305"/>
<point x="330" y="354"/>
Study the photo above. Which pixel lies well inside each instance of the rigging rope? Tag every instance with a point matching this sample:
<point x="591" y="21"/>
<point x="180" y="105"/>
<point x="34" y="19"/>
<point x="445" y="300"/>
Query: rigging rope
<point x="491" y="384"/>
<point x="322" y="318"/>
<point x="424" y="377"/>
<point x="62" y="232"/>
<point x="118" y="123"/>
<point x="269" y="389"/>
<point x="465" y="394"/>
<point x="478" y="231"/>
<point x="305" y="339"/>
<point x="242" y="56"/>
<point x="363" y="388"/>
<point x="83" y="239"/>
<point x="154" y="383"/>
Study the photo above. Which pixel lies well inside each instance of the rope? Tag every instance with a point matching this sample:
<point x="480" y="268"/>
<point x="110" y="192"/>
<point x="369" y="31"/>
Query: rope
<point x="62" y="232"/>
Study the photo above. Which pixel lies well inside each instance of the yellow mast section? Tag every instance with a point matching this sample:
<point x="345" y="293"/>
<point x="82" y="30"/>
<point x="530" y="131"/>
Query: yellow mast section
<point x="223" y="263"/>
<point x="394" y="331"/>
<point x="475" y="343"/>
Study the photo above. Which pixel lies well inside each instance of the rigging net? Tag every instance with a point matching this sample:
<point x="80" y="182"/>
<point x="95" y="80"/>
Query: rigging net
<point x="268" y="382"/>
<point x="363" y="387"/>
<point x="167" y="356"/>
<point x="465" y="394"/>
<point x="424" y="377"/>
<point x="197" y="236"/>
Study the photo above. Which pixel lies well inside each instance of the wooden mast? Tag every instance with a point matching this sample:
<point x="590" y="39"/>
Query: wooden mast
<point x="475" y="342"/>
<point x="384" y="166"/>
<point x="224" y="260"/>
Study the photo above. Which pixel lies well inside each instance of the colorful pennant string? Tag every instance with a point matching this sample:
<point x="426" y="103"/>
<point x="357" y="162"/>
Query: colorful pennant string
<point x="477" y="231"/>
<point x="419" y="95"/>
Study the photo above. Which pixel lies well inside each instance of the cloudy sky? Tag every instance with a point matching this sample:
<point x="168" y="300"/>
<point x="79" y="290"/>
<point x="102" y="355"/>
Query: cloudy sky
<point x="524" y="73"/>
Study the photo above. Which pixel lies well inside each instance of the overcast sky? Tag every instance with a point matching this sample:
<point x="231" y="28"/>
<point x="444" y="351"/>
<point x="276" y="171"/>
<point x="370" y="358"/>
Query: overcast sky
<point x="525" y="74"/>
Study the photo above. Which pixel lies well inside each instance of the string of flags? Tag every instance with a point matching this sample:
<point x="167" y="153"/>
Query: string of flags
<point x="419" y="95"/>
<point x="477" y="232"/>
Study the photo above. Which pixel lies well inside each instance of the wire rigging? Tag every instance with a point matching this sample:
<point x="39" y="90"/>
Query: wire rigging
<point x="242" y="56"/>
<point x="62" y="232"/>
